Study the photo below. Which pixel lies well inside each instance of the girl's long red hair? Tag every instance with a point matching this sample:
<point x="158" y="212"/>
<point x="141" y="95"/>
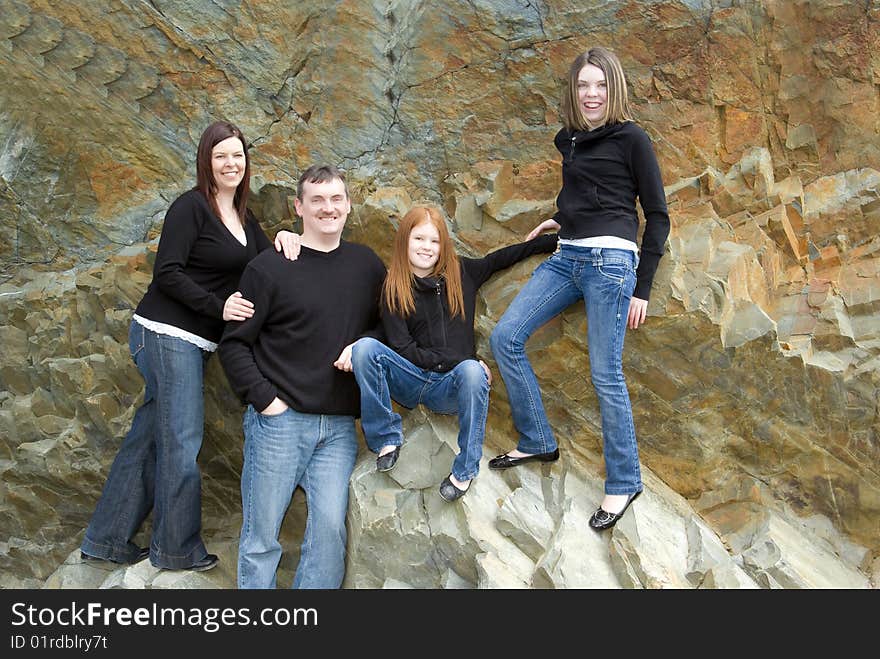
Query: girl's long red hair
<point x="398" y="291"/>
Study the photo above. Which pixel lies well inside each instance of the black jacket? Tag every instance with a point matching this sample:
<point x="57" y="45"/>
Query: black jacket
<point x="603" y="172"/>
<point x="430" y="337"/>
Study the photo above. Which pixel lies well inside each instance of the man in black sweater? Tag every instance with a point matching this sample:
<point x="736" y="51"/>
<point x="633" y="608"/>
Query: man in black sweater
<point x="291" y="363"/>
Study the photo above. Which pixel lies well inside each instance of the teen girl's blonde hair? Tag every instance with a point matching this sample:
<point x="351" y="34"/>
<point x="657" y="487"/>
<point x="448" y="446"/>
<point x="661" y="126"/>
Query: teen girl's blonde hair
<point x="398" y="290"/>
<point x="617" y="108"/>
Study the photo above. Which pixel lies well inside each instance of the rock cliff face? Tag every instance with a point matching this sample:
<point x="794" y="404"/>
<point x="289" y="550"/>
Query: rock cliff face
<point x="754" y="383"/>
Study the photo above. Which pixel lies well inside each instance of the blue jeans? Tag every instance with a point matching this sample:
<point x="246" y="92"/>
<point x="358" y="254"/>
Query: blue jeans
<point x="383" y="374"/>
<point x="605" y="279"/>
<point x="316" y="452"/>
<point x="156" y="466"/>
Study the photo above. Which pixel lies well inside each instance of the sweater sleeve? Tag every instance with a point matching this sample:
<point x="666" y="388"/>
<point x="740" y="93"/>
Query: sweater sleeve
<point x="652" y="198"/>
<point x="236" y="348"/>
<point x="181" y="229"/>
<point x="402" y="342"/>
<point x="481" y="269"/>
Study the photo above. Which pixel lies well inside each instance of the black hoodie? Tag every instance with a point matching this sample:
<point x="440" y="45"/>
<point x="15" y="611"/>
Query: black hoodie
<point x="430" y="337"/>
<point x="603" y="172"/>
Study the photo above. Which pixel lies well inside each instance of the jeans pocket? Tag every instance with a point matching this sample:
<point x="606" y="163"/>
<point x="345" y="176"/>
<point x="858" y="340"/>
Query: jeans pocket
<point x="616" y="270"/>
<point x="136" y="339"/>
<point x="272" y="417"/>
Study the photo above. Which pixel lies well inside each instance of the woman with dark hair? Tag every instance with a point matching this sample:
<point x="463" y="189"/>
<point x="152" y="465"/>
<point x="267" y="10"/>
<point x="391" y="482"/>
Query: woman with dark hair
<point x="427" y="306"/>
<point x="607" y="163"/>
<point x="208" y="237"/>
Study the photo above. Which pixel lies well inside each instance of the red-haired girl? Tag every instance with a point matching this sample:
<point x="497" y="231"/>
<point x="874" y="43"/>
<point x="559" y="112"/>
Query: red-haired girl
<point x="428" y="314"/>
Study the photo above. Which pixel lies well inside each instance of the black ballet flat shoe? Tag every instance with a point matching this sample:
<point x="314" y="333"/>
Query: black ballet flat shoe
<point x="506" y="461"/>
<point x="450" y="492"/>
<point x="602" y="519"/>
<point x="142" y="554"/>
<point x="386" y="462"/>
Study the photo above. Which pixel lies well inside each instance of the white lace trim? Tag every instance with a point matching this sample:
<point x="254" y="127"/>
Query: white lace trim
<point x="171" y="330"/>
<point x="610" y="242"/>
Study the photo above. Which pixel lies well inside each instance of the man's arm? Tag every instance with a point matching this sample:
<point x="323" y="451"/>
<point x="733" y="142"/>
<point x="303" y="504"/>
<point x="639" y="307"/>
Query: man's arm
<point x="236" y="349"/>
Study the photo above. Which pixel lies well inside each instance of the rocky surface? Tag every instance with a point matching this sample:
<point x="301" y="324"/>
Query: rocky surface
<point x="754" y="383"/>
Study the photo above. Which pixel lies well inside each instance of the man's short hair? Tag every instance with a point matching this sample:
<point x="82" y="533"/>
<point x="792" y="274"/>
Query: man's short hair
<point x="319" y="174"/>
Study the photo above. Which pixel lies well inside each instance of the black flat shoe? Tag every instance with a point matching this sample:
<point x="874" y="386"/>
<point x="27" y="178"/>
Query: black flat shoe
<point x="386" y="462"/>
<point x="506" y="462"/>
<point x="450" y="492"/>
<point x="142" y="554"/>
<point x="602" y="519"/>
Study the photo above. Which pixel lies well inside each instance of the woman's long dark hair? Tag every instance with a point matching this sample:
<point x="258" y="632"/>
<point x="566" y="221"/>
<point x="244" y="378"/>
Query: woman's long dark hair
<point x="205" y="183"/>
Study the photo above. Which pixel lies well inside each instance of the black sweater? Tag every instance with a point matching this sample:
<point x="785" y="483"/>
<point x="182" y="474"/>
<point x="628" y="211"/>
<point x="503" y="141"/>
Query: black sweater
<point x="603" y="171"/>
<point x="305" y="312"/>
<point x="430" y="337"/>
<point x="198" y="265"/>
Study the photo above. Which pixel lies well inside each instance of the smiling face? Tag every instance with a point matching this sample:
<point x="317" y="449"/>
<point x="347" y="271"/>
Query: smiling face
<point x="424" y="248"/>
<point x="592" y="94"/>
<point x="324" y="207"/>
<point x="228" y="163"/>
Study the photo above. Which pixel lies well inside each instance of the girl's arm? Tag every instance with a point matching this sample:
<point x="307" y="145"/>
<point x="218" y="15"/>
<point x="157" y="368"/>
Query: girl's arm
<point x="546" y="225"/>
<point x="652" y="198"/>
<point x="481" y="269"/>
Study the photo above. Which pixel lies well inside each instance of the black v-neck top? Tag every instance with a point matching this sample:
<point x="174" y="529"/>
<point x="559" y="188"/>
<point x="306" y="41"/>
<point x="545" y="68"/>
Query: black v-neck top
<point x="198" y="265"/>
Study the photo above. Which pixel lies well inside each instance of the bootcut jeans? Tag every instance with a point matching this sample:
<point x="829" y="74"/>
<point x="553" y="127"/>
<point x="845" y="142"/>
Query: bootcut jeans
<point x="605" y="279"/>
<point x="155" y="468"/>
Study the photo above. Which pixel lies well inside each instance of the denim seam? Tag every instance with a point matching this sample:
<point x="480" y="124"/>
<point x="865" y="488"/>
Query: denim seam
<point x="307" y="549"/>
<point x="382" y="388"/>
<point x="476" y="424"/>
<point x="619" y="335"/>
<point x="243" y="573"/>
<point x="634" y="447"/>
<point x="160" y="503"/>
<point x="518" y="364"/>
<point x="163" y="504"/>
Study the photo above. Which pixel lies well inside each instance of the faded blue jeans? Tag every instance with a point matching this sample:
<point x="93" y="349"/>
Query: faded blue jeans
<point x="316" y="452"/>
<point x="383" y="374"/>
<point x="605" y="279"/>
<point x="155" y="468"/>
